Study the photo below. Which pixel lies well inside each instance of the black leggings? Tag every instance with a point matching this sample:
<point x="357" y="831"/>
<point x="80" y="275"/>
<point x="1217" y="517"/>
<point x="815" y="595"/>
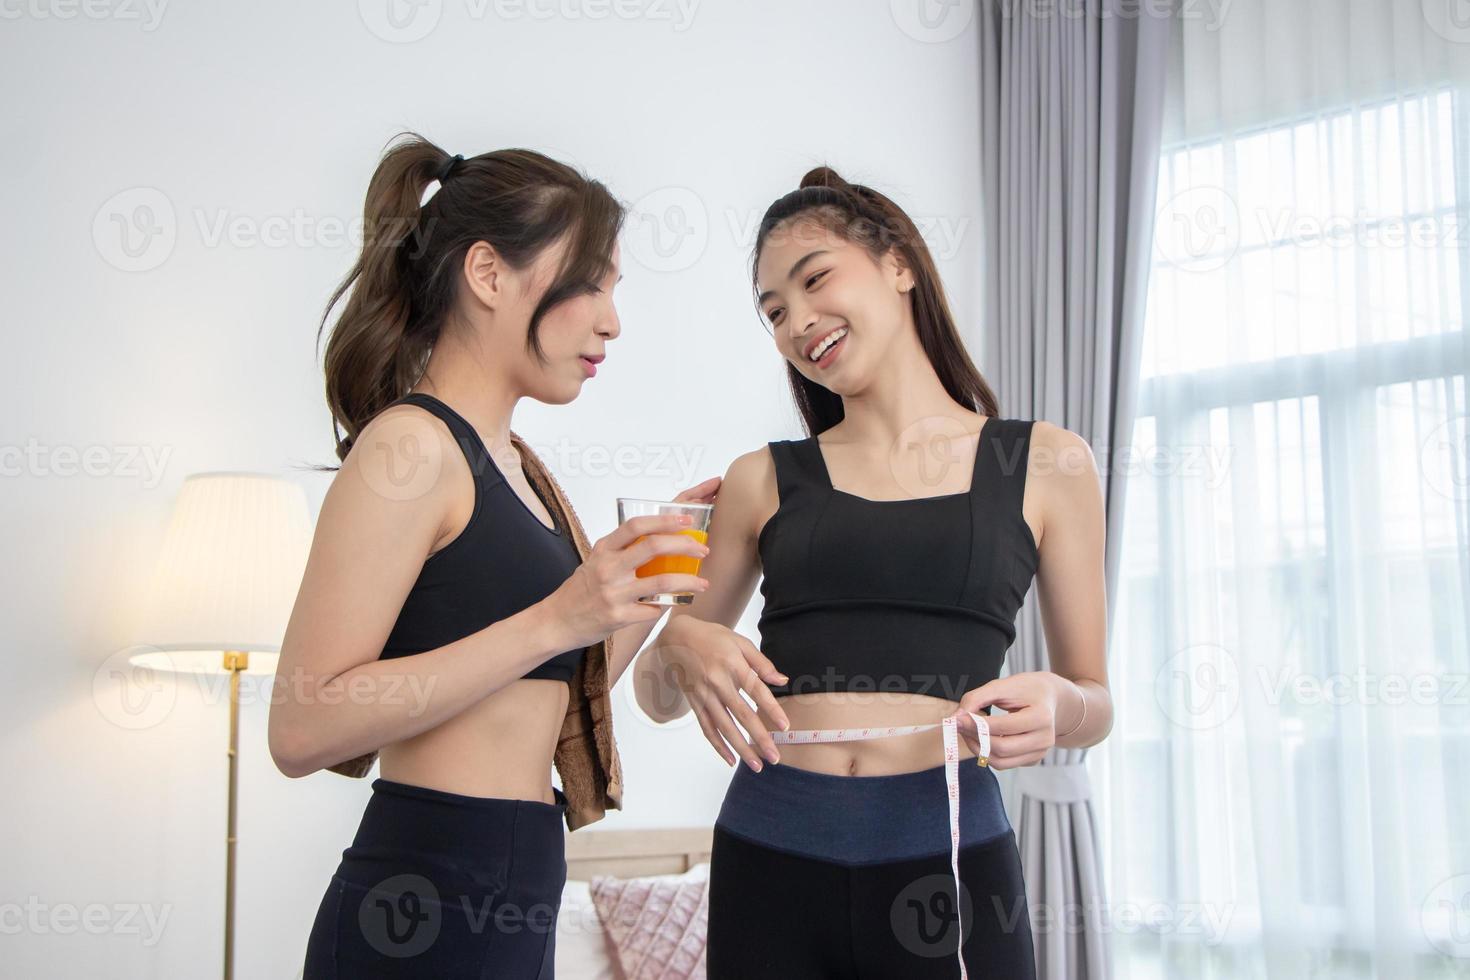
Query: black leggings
<point x="821" y="876"/>
<point x="441" y="885"/>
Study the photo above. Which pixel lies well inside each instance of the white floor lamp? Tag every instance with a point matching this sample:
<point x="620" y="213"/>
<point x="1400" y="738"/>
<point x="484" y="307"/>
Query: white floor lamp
<point x="231" y="564"/>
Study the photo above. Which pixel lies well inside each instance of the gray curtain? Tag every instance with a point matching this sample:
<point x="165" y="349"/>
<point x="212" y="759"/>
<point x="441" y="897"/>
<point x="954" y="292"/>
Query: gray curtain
<point x="1071" y="108"/>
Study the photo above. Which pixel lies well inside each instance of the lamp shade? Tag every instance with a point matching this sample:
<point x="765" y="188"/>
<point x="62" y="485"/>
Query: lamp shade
<point x="231" y="565"/>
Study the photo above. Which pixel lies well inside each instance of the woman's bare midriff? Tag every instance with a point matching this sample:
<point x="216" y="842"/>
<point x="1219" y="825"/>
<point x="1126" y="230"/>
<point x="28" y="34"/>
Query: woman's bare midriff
<point x="502" y="747"/>
<point x="871" y="757"/>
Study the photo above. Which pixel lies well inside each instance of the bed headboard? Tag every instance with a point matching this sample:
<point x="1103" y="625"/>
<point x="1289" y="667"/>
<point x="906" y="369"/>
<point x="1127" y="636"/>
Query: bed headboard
<point x="634" y="853"/>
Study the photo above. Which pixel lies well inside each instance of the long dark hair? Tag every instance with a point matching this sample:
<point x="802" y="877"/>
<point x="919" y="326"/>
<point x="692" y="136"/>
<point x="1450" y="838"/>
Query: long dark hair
<point x="865" y="217"/>
<point x="404" y="283"/>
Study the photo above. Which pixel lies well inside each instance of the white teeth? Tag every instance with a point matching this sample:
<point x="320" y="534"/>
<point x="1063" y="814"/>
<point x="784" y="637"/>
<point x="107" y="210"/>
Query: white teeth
<point x="827" y="342"/>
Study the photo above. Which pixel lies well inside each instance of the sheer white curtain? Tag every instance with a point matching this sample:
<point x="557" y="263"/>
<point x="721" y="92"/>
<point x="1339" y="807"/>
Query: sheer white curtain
<point x="1286" y="790"/>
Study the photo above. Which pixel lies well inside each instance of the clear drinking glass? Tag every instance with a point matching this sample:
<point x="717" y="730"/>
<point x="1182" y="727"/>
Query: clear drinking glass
<point x="629" y="507"/>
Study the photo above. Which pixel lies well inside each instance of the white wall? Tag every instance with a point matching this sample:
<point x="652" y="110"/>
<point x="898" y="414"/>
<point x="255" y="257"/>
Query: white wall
<point x="204" y="359"/>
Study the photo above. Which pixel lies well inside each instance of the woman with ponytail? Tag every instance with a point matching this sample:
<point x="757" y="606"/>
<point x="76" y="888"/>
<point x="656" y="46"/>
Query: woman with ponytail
<point x="897" y="542"/>
<point x="453" y="621"/>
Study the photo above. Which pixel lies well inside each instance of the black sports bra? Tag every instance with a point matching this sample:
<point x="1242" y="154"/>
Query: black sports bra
<point x="503" y="561"/>
<point x="916" y="595"/>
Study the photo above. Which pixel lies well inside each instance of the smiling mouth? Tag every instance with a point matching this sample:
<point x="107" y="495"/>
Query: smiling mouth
<point x="822" y="351"/>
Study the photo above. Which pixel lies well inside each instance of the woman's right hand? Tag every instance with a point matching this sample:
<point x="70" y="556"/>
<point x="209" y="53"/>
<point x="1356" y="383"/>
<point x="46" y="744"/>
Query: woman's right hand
<point x="601" y="596"/>
<point x="711" y="665"/>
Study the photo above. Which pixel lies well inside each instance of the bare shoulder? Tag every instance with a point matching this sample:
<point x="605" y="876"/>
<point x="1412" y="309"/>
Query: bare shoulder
<point x="748" y="491"/>
<point x="404" y="460"/>
<point x="1062" y="481"/>
<point x="1062" y="446"/>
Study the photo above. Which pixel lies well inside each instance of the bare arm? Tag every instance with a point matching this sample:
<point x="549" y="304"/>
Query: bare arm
<point x="698" y="653"/>
<point x="1070" y="585"/>
<point x="334" y="699"/>
<point x="1043" y="706"/>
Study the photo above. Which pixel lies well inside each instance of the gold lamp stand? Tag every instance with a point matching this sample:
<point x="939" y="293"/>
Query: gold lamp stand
<point x="235" y="661"/>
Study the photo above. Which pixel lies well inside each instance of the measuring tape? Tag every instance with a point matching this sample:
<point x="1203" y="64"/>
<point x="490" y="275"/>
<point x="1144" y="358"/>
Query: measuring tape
<point x="951" y="780"/>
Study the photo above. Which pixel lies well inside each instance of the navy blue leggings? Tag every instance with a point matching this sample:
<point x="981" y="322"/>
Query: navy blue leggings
<point x="441" y="885"/>
<point x="814" y="875"/>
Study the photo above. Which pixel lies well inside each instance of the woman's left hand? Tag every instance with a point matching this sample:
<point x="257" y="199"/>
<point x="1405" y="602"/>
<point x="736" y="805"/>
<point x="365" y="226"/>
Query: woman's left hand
<point x="1022" y="735"/>
<point x="701" y="493"/>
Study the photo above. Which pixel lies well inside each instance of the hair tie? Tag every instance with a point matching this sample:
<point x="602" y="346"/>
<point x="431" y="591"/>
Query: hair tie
<point x="442" y="174"/>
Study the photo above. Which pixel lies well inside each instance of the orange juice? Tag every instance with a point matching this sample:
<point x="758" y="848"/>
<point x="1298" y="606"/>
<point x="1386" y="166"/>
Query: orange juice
<point x="678" y="564"/>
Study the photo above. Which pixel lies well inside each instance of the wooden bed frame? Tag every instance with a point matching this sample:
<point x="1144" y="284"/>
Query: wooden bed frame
<point x="635" y="853"/>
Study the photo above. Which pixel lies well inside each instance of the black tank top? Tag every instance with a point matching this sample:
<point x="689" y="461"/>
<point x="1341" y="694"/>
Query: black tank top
<point x="915" y="595"/>
<point x="503" y="561"/>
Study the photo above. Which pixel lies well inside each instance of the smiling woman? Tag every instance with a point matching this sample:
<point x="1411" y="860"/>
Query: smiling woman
<point x="889" y="606"/>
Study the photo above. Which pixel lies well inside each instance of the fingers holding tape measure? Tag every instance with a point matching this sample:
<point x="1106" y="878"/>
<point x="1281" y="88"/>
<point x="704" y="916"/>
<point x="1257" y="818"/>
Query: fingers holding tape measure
<point x="974" y="728"/>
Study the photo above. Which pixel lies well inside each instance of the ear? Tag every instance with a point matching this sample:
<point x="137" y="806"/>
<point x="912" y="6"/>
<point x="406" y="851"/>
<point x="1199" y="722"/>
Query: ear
<point x="896" y="267"/>
<point x="485" y="274"/>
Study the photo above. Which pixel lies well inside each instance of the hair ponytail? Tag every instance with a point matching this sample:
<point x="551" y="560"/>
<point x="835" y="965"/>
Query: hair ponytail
<point x="865" y="217"/>
<point x="403" y="286"/>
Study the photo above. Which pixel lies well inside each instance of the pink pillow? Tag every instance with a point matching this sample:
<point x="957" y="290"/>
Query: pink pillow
<point x="656" y="924"/>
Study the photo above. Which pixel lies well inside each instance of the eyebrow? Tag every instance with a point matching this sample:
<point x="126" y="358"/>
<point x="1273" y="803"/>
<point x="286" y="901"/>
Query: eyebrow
<point x="795" y="271"/>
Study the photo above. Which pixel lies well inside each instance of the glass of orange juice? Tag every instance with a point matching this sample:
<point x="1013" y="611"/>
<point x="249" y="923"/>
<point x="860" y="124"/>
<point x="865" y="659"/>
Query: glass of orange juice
<point x="629" y="507"/>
